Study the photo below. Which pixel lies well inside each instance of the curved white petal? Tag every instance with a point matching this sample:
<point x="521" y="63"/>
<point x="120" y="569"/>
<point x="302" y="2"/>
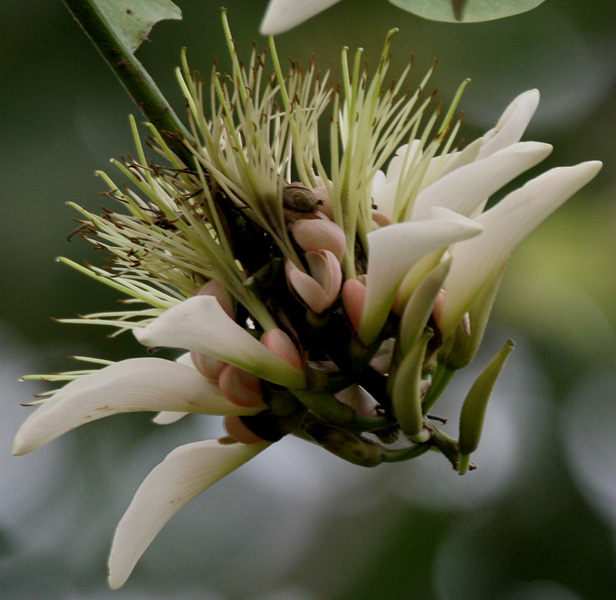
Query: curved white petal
<point x="200" y="324"/>
<point x="466" y="189"/>
<point x="167" y="417"/>
<point x="393" y="250"/>
<point x="138" y="384"/>
<point x="384" y="196"/>
<point x="282" y="15"/>
<point x="505" y="226"/>
<point x="511" y="125"/>
<point x="185" y="473"/>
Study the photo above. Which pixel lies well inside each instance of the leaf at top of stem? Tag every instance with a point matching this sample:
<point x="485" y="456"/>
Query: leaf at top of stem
<point x="132" y="20"/>
<point x="467" y="11"/>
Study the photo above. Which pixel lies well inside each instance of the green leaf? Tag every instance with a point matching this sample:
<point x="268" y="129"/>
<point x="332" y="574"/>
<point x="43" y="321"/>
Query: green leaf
<point x="466" y="11"/>
<point x="132" y="20"/>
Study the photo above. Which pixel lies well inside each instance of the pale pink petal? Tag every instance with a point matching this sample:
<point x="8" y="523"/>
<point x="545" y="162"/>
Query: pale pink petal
<point x="282" y="345"/>
<point x="185" y="473"/>
<point x="325" y="268"/>
<point x="320" y="289"/>
<point x="241" y="387"/>
<point x="238" y="430"/>
<point x="353" y="298"/>
<point x="307" y="288"/>
<point x="319" y="234"/>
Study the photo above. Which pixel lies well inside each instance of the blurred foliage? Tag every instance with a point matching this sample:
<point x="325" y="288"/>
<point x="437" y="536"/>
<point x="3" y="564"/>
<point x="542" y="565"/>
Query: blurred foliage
<point x="355" y="534"/>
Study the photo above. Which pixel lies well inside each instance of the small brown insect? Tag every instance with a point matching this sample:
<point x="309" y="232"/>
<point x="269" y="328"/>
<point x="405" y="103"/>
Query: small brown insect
<point x="299" y="198"/>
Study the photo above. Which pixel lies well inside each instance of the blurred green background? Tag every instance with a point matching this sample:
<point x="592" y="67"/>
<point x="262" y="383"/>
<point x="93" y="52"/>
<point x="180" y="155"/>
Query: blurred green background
<point x="536" y="521"/>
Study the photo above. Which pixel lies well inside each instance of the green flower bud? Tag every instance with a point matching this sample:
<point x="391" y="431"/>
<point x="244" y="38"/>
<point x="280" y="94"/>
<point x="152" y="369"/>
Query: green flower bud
<point x="475" y="405"/>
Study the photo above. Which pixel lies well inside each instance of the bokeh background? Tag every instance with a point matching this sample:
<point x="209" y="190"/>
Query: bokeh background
<point x="536" y="521"/>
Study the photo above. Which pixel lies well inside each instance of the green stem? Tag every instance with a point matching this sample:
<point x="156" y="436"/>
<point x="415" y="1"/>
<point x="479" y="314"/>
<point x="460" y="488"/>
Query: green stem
<point x="135" y="79"/>
<point x="406" y="453"/>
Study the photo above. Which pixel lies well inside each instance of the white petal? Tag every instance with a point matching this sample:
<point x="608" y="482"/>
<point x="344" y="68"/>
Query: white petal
<point x="393" y="250"/>
<point x="138" y="384"/>
<point x="200" y="324"/>
<point x="167" y="417"/>
<point x="378" y="181"/>
<point x="511" y="125"/>
<point x="506" y="225"/>
<point x="185" y="473"/>
<point x="282" y="15"/>
<point x="466" y="189"/>
<point x="385" y="196"/>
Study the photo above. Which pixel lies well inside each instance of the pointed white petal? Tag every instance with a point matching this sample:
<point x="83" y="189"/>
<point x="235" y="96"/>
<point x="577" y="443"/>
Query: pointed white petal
<point x="511" y="125"/>
<point x="506" y="225"/>
<point x="138" y="384"/>
<point x="200" y="324"/>
<point x="378" y="181"/>
<point x="185" y="473"/>
<point x="393" y="250"/>
<point x="166" y="417"/>
<point x="466" y="189"/>
<point x="282" y="15"/>
<point x="384" y="197"/>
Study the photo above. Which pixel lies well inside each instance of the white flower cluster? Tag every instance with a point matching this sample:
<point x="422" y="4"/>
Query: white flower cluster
<point x="330" y="303"/>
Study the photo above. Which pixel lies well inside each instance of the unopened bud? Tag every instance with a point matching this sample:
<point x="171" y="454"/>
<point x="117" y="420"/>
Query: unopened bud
<point x="406" y="394"/>
<point x="240" y="387"/>
<point x="320" y="234"/>
<point x="282" y="345"/>
<point x="320" y="289"/>
<point x="208" y="366"/>
<point x="380" y="219"/>
<point x="225" y="299"/>
<point x="236" y="428"/>
<point x="476" y="402"/>
<point x="353" y="298"/>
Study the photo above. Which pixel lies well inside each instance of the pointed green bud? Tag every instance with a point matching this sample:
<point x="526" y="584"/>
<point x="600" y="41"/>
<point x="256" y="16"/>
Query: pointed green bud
<point x="420" y="305"/>
<point x="475" y="405"/>
<point x="406" y="396"/>
<point x="467" y="343"/>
